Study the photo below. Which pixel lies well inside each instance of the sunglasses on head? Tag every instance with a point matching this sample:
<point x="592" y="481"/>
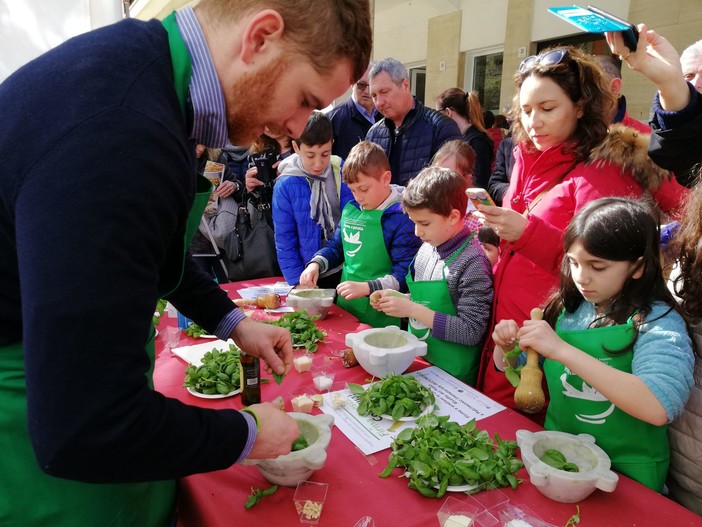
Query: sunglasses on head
<point x="555" y="56"/>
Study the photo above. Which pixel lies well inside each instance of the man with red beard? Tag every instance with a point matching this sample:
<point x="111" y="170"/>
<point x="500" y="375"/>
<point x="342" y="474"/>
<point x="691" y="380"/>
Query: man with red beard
<point x="98" y="201"/>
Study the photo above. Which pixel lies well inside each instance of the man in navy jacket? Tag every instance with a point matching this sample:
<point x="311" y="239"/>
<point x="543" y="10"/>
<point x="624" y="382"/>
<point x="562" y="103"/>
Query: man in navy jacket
<point x="410" y="133"/>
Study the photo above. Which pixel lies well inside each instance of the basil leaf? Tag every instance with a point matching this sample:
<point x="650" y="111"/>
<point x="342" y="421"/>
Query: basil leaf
<point x="269" y="490"/>
<point x="438" y="453"/>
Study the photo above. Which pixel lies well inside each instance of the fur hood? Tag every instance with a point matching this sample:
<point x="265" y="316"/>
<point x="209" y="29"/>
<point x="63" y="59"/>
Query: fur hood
<point x="628" y="149"/>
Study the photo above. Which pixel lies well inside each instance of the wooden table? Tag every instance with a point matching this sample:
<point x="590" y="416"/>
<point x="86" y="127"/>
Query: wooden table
<point x="217" y="499"/>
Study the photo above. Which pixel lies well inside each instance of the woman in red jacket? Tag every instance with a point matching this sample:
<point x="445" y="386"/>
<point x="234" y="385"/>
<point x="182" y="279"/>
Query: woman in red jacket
<point x="565" y="157"/>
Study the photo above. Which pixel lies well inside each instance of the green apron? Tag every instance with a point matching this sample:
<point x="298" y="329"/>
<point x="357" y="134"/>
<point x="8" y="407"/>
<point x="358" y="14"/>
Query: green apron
<point x="459" y="360"/>
<point x="60" y="502"/>
<point x="637" y="449"/>
<point x="365" y="258"/>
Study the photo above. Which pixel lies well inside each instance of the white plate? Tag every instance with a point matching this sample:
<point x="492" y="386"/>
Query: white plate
<point x="429" y="409"/>
<point x="215" y="396"/>
<point x="193" y="354"/>
<point x="207" y="337"/>
<point x="460" y="488"/>
<point x="452" y="488"/>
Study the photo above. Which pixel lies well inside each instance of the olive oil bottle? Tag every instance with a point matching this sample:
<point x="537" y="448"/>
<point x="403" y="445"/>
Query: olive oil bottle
<point x="250" y="379"/>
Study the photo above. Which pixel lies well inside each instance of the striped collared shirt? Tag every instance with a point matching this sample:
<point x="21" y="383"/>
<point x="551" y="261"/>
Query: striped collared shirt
<point x="209" y="123"/>
<point x="210" y="129"/>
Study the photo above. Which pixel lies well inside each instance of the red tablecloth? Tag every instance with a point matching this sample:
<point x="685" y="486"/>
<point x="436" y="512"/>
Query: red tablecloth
<point x="355" y="490"/>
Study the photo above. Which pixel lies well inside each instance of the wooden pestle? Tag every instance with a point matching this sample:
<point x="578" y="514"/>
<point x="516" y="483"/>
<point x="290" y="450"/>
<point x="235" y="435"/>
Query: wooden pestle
<point x="529" y="395"/>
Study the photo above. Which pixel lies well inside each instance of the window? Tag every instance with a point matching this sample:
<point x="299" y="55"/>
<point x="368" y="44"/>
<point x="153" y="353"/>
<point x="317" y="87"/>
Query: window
<point x="418" y="80"/>
<point x="487" y="79"/>
<point x="484" y="75"/>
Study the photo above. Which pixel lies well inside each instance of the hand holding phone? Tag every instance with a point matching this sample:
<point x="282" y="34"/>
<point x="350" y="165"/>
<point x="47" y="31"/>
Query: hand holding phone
<point x="595" y="20"/>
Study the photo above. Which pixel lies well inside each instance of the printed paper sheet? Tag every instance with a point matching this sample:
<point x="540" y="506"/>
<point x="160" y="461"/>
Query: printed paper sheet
<point x="372" y="434"/>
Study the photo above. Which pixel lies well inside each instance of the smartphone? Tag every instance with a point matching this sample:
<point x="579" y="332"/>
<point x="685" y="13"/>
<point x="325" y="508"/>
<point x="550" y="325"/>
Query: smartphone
<point x="630" y="34"/>
<point x="594" y="20"/>
<point x="479" y="196"/>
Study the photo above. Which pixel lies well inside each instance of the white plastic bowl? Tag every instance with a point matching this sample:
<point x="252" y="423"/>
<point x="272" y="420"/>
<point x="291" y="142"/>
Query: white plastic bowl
<point x="314" y="301"/>
<point x="381" y="351"/>
<point x="559" y="485"/>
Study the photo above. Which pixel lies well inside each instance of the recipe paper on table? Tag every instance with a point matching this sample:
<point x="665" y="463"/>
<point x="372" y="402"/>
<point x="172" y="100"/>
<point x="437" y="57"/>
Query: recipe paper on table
<point x="372" y="434"/>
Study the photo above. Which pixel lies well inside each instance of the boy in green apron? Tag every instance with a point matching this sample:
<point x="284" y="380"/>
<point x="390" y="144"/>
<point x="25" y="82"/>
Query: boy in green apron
<point x="375" y="240"/>
<point x="619" y="363"/>
<point x="450" y="280"/>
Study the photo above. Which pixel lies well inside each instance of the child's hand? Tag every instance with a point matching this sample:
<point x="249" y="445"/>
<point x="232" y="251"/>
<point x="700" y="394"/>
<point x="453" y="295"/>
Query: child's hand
<point x="504" y="336"/>
<point x="351" y="290"/>
<point x="395" y="304"/>
<point x="377" y="295"/>
<point x="538" y="335"/>
<point x="310" y="275"/>
<point x="505" y="333"/>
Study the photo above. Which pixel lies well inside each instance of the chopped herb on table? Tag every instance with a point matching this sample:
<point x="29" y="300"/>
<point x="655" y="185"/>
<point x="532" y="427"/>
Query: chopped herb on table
<point x="396" y="395"/>
<point x="160" y="308"/>
<point x="303" y="330"/>
<point x="556" y="459"/>
<point x="194" y="330"/>
<point x="439" y="453"/>
<point x="219" y="372"/>
<point x="257" y="494"/>
<point x="574" y="519"/>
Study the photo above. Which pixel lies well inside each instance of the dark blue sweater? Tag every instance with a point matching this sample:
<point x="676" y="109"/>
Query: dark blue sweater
<point x="481" y="143"/>
<point x="96" y="183"/>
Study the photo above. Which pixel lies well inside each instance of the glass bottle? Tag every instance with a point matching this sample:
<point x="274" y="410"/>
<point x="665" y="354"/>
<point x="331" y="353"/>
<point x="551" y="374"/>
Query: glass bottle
<point x="250" y="379"/>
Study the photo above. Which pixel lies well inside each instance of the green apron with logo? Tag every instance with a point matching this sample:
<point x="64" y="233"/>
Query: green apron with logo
<point x="459" y="360"/>
<point x="365" y="258"/>
<point x="60" y="502"/>
<point x="637" y="449"/>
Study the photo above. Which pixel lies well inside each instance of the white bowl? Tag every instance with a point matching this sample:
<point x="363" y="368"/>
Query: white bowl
<point x="314" y="301"/>
<point x="559" y="485"/>
<point x="381" y="351"/>
<point x="291" y="469"/>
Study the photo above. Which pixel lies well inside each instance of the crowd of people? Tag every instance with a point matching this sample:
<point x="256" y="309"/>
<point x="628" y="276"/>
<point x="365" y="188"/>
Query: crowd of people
<point x="578" y="203"/>
<point x="371" y="199"/>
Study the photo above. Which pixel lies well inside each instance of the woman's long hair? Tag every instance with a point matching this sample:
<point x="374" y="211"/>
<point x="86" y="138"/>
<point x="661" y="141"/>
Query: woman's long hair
<point x="688" y="245"/>
<point x="583" y="80"/>
<point x="465" y="104"/>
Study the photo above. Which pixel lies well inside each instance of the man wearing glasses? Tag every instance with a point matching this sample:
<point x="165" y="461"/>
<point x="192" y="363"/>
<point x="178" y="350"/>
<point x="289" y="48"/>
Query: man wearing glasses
<point x="352" y="120"/>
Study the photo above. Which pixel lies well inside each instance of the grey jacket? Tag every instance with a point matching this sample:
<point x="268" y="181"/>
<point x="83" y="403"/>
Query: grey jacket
<point x="685" y="434"/>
